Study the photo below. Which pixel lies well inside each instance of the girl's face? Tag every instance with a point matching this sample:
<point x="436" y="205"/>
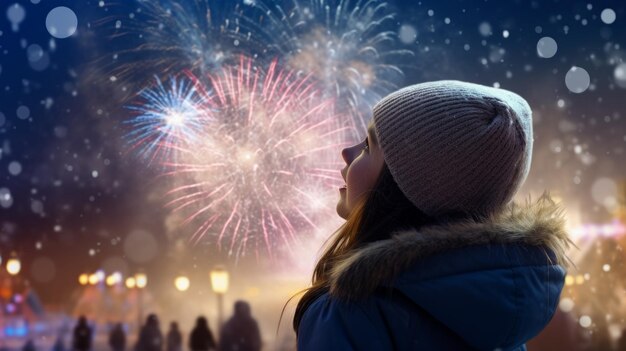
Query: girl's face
<point x="364" y="162"/>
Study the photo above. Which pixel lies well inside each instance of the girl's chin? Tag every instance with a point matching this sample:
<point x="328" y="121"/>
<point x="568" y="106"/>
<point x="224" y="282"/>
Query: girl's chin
<point x="342" y="211"/>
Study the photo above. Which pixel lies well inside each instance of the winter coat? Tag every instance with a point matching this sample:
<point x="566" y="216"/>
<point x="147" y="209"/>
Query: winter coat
<point x="240" y="334"/>
<point x="82" y="337"/>
<point x="150" y="339"/>
<point x="117" y="339"/>
<point x="489" y="285"/>
<point x="174" y="340"/>
<point x="201" y="339"/>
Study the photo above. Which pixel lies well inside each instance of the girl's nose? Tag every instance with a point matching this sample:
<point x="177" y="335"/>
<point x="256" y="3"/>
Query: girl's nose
<point x="348" y="154"/>
<point x="345" y="154"/>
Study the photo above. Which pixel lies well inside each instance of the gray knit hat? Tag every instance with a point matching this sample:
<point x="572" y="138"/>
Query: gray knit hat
<point x="455" y="147"/>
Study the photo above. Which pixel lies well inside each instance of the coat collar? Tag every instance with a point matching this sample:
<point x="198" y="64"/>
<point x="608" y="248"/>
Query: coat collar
<point x="538" y="224"/>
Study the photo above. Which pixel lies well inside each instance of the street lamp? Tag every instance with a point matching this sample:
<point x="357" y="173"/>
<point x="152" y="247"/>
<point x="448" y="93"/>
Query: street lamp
<point x="181" y="283"/>
<point x="114" y="279"/>
<point x="83" y="279"/>
<point x="110" y="280"/>
<point x="141" y="280"/>
<point x="130" y="282"/>
<point x="93" y="279"/>
<point x="14" y="266"/>
<point x="100" y="276"/>
<point x="117" y="277"/>
<point x="219" y="283"/>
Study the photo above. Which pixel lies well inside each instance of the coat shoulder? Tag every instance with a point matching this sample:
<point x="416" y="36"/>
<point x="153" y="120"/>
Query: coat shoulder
<point x="331" y="324"/>
<point x="386" y="320"/>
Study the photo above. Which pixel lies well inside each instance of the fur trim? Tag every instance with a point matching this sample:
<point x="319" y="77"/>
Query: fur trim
<point x="541" y="223"/>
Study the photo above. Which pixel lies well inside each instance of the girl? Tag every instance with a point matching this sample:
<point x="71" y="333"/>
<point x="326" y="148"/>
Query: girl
<point x="432" y="255"/>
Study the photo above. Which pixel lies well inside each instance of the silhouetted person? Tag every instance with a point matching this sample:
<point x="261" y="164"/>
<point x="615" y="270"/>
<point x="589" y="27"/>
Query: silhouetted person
<point x="150" y="336"/>
<point x="117" y="338"/>
<point x="241" y="332"/>
<point x="58" y="344"/>
<point x="29" y="346"/>
<point x="201" y="338"/>
<point x="174" y="338"/>
<point x="82" y="335"/>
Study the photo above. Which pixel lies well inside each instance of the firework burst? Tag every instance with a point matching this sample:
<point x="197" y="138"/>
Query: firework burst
<point x="188" y="34"/>
<point x="166" y="120"/>
<point x="165" y="37"/>
<point x="265" y="170"/>
<point x="350" y="46"/>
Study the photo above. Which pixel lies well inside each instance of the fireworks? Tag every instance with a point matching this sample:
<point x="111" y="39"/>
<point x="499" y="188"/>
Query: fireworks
<point x="165" y="38"/>
<point x="265" y="168"/>
<point x="349" y="46"/>
<point x="254" y="152"/>
<point x="167" y="119"/>
<point x="187" y="35"/>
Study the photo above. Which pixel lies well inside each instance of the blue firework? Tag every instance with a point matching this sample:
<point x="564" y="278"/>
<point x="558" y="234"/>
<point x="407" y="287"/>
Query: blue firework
<point x="167" y="118"/>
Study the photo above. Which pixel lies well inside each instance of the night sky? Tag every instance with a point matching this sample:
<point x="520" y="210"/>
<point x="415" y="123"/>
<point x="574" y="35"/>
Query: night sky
<point x="72" y="193"/>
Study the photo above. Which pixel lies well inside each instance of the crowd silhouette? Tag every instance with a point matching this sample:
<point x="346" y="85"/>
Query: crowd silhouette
<point x="174" y="340"/>
<point x="117" y="338"/>
<point x="240" y="333"/>
<point x="82" y="335"/>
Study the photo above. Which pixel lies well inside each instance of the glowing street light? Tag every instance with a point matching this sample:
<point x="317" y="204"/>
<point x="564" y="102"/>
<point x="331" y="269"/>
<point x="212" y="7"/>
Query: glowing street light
<point x="14" y="266"/>
<point x="219" y="284"/>
<point x="83" y="279"/>
<point x="93" y="279"/>
<point x="117" y="278"/>
<point x="110" y="280"/>
<point x="219" y="280"/>
<point x="181" y="283"/>
<point x="100" y="276"/>
<point x="141" y="280"/>
<point x="130" y="282"/>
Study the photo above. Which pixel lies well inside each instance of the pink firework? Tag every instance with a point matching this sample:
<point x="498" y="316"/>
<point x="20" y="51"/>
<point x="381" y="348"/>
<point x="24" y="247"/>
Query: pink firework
<point x="266" y="169"/>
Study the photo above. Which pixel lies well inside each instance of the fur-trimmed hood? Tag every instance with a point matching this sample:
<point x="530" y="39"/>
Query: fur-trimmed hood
<point x="539" y="224"/>
<point x="506" y="272"/>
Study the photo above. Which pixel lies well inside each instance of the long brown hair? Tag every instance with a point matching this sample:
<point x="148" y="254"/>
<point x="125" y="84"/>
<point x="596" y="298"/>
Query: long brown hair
<point x="385" y="210"/>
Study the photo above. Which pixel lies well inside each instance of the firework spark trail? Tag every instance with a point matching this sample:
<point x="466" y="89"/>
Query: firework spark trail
<point x="260" y="159"/>
<point x="350" y="46"/>
<point x="166" y="37"/>
<point x="167" y="118"/>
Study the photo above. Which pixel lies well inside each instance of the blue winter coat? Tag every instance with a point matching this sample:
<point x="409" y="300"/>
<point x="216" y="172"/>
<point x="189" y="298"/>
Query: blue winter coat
<point x="472" y="286"/>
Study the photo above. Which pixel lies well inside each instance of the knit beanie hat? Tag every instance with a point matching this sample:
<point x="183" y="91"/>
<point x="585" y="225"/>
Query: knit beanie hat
<point x="454" y="147"/>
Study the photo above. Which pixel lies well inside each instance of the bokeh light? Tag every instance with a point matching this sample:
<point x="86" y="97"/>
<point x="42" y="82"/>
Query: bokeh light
<point x="182" y="283"/>
<point x="14" y="266"/>
<point x="546" y="47"/>
<point x="577" y="80"/>
<point x="61" y="22"/>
